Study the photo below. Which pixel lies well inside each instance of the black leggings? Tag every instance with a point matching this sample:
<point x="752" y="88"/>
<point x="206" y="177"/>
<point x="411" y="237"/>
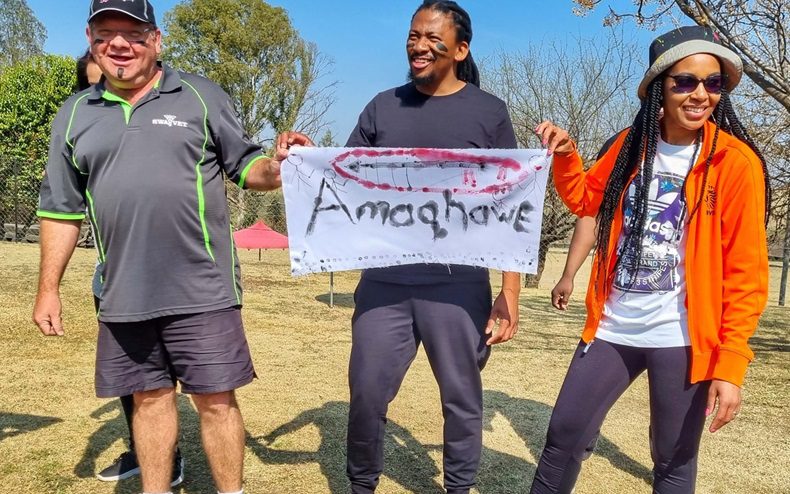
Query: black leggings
<point x="595" y="380"/>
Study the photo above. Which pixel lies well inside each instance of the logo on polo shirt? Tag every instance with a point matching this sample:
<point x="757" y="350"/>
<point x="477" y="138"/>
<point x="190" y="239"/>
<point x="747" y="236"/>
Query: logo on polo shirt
<point x="170" y="121"/>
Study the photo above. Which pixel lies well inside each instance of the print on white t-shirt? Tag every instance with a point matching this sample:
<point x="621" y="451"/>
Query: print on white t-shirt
<point x="647" y="308"/>
<point x="657" y="270"/>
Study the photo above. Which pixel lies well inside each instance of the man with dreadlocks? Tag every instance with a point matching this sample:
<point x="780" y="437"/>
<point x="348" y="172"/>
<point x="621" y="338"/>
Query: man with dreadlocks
<point x="447" y="308"/>
<point x="680" y="275"/>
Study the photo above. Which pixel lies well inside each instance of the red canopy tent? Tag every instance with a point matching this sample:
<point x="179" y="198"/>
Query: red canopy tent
<point x="260" y="236"/>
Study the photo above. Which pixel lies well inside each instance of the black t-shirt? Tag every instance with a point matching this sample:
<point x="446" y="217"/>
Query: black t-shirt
<point x="403" y="117"/>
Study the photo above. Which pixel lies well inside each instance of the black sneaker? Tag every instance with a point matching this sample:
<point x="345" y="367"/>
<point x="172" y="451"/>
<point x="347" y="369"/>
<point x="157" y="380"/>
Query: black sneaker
<point x="123" y="467"/>
<point x="178" y="469"/>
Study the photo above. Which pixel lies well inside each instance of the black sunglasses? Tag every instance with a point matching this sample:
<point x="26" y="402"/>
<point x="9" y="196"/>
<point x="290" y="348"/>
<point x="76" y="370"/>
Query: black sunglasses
<point x="685" y="84"/>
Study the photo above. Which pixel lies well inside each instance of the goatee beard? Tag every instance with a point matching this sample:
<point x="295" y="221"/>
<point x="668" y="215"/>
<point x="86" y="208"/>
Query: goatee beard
<point x="421" y="81"/>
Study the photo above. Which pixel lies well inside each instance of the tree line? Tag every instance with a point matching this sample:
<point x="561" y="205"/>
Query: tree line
<point x="252" y="50"/>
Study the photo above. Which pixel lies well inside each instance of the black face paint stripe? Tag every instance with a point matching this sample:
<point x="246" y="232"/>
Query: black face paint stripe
<point x="441" y="47"/>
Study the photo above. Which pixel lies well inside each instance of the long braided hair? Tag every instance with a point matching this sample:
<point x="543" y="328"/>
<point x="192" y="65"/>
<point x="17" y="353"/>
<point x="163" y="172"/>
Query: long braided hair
<point x="639" y="148"/>
<point x="467" y="69"/>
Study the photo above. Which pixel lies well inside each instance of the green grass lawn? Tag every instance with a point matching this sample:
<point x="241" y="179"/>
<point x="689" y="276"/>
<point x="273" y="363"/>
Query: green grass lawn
<point x="55" y="435"/>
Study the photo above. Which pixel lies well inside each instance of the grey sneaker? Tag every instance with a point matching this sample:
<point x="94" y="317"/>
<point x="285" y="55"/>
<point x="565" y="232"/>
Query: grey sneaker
<point x="123" y="467"/>
<point x="178" y="469"/>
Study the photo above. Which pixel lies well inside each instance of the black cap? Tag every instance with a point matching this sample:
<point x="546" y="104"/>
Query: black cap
<point x="138" y="9"/>
<point x="671" y="47"/>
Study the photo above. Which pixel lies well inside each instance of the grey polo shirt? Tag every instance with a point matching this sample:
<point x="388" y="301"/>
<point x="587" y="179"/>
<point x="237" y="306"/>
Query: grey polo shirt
<point x="150" y="177"/>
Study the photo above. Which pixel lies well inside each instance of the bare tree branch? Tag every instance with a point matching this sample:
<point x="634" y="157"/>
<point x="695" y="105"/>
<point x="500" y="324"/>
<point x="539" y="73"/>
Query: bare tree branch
<point x="755" y="29"/>
<point x="587" y="88"/>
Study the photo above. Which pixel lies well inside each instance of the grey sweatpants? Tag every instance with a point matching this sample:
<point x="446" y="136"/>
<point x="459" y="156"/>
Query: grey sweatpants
<point x="595" y="380"/>
<point x="390" y="321"/>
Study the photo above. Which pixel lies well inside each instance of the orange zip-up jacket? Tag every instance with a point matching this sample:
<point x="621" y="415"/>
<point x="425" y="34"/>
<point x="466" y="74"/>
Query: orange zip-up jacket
<point x="726" y="250"/>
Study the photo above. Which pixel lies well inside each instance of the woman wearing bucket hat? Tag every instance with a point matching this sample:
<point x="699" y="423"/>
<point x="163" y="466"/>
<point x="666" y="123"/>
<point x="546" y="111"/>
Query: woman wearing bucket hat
<point x="681" y="267"/>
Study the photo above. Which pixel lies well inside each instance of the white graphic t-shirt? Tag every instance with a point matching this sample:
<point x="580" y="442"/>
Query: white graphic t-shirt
<point x="648" y="308"/>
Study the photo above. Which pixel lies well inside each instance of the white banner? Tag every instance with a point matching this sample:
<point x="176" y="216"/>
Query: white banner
<point x="375" y="207"/>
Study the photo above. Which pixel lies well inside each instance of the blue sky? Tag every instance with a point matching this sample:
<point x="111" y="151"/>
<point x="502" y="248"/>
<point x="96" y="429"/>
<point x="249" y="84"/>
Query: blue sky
<point x="366" y="39"/>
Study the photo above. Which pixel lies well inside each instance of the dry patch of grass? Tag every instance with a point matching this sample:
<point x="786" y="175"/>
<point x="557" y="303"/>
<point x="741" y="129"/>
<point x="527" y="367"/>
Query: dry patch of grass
<point x="54" y="434"/>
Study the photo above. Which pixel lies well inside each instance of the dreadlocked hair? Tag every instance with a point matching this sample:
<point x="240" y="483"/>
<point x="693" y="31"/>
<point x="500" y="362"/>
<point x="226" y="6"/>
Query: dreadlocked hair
<point x="641" y="141"/>
<point x="638" y="150"/>
<point x="467" y="69"/>
<point x="731" y="123"/>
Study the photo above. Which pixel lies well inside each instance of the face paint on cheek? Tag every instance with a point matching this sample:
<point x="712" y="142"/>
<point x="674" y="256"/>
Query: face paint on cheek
<point x="439" y="49"/>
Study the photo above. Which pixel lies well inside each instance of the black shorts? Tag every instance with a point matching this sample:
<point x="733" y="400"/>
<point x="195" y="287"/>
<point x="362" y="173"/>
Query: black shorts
<point x="206" y="353"/>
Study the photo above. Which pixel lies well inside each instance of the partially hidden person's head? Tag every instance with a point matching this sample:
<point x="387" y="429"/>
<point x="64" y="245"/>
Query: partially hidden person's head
<point x="438" y="45"/>
<point x="687" y="84"/>
<point x="125" y="41"/>
<point x="88" y="71"/>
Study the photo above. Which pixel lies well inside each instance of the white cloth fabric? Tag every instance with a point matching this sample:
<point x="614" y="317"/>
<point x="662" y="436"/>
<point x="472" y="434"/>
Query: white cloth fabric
<point x="648" y="308"/>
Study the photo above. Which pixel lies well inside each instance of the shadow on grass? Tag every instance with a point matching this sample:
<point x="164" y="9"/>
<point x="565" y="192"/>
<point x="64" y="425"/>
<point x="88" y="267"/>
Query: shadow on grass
<point x="771" y="336"/>
<point x="340" y="300"/>
<point x="407" y="461"/>
<point x="769" y="344"/>
<point x="409" y="464"/>
<point x="196" y="472"/>
<point x="14" y="424"/>
<point x="529" y="419"/>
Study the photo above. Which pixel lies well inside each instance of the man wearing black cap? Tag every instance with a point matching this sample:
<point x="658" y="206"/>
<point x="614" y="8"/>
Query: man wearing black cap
<point x="145" y="152"/>
<point x="125" y="465"/>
